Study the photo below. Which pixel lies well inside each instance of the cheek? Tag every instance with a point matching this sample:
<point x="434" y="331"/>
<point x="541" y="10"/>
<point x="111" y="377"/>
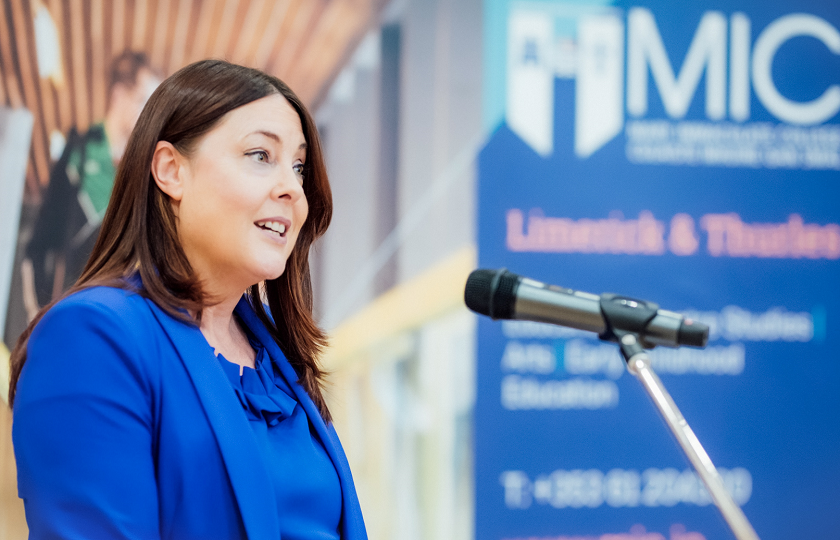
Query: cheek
<point x="214" y="210"/>
<point x="303" y="209"/>
<point x="221" y="190"/>
<point x="301" y="212"/>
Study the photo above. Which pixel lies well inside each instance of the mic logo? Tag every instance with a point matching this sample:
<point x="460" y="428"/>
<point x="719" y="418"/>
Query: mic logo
<point x="607" y="50"/>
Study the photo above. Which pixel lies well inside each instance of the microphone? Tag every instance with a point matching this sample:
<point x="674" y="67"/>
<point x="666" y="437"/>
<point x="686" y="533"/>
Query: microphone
<point x="500" y="294"/>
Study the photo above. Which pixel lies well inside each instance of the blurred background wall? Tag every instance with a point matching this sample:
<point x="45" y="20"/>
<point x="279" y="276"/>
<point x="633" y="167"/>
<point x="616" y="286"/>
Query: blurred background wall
<point x="402" y="127"/>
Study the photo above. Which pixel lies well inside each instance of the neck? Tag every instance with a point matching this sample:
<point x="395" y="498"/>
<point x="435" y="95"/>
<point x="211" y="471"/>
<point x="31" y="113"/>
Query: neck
<point x="218" y="324"/>
<point x="225" y="336"/>
<point x="217" y="321"/>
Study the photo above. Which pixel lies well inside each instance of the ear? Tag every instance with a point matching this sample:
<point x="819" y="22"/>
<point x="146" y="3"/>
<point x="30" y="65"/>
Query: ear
<point x="168" y="170"/>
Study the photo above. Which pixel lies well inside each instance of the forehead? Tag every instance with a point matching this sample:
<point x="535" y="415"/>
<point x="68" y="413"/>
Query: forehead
<point x="272" y="114"/>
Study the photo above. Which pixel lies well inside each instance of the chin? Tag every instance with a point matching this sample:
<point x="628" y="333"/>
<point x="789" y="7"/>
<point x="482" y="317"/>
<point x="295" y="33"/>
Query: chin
<point x="273" y="273"/>
<point x="264" y="268"/>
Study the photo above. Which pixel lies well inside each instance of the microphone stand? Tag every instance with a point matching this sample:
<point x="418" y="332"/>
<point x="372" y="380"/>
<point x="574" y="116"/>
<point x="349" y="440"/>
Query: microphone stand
<point x="638" y="363"/>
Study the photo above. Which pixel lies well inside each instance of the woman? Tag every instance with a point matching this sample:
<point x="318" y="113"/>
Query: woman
<point x="155" y="400"/>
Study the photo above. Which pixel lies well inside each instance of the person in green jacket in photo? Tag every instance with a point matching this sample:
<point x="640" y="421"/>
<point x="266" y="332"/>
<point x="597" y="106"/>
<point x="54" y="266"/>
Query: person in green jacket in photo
<point x="80" y="186"/>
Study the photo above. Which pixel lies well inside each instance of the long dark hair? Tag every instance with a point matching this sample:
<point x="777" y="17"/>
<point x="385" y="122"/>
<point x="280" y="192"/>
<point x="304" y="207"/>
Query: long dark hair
<point x="139" y="233"/>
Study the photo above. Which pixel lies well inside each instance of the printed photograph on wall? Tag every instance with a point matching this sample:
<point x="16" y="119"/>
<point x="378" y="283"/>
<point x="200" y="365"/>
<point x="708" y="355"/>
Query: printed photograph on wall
<point x="73" y="79"/>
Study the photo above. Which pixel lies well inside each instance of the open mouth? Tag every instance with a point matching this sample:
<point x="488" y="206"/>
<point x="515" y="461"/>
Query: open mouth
<point x="277" y="227"/>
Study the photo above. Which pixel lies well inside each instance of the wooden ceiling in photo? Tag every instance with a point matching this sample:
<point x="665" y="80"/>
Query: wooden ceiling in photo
<point x="303" y="42"/>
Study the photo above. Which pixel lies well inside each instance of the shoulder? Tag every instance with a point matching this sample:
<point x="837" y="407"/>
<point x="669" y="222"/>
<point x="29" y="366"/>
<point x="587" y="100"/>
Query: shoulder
<point x="94" y="340"/>
<point x="123" y="303"/>
<point x="97" y="314"/>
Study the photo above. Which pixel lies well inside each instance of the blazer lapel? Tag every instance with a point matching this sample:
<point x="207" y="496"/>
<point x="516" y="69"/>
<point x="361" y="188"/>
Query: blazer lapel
<point x="237" y="443"/>
<point x="352" y="524"/>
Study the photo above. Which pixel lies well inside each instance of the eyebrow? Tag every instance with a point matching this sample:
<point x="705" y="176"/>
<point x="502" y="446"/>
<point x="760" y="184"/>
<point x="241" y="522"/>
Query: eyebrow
<point x="275" y="137"/>
<point x="268" y="134"/>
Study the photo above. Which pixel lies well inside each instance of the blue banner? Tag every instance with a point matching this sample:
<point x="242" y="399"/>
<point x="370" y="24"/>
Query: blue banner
<point x="689" y="154"/>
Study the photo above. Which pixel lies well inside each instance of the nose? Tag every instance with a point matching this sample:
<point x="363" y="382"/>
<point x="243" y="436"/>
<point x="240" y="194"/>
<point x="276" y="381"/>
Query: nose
<point x="288" y="186"/>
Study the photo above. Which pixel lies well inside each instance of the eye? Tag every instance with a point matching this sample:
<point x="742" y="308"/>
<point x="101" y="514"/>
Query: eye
<point x="298" y="168"/>
<point x="259" y="155"/>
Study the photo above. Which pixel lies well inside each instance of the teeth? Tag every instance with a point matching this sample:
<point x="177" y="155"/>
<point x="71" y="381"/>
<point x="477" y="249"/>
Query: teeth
<point x="279" y="228"/>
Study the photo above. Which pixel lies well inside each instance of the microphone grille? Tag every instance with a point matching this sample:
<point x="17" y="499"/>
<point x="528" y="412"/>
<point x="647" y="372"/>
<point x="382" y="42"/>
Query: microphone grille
<point x="477" y="292"/>
<point x="491" y="292"/>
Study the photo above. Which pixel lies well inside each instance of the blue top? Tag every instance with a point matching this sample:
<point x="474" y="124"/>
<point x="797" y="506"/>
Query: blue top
<point x="303" y="476"/>
<point x="127" y="427"/>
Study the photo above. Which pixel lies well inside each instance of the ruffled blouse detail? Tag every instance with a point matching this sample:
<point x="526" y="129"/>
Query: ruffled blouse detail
<point x="306" y="485"/>
<point x="262" y="391"/>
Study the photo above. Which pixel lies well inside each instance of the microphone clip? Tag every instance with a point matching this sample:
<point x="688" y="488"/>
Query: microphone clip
<point x="624" y="315"/>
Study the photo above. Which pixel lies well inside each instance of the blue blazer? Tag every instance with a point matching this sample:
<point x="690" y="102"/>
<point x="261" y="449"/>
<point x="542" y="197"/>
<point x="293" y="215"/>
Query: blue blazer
<point x="126" y="426"/>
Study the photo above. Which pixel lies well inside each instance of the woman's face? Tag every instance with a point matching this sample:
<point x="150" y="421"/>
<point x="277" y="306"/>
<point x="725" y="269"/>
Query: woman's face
<point x="243" y="205"/>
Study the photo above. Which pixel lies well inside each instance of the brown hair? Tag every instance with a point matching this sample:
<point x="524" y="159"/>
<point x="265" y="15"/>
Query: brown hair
<point x="139" y="233"/>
